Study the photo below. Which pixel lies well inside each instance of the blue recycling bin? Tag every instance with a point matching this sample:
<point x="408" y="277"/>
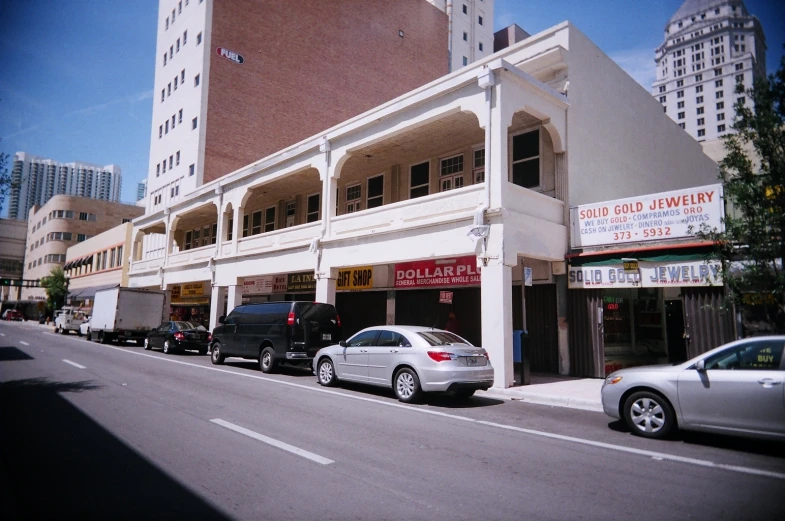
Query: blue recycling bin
<point x="520" y="355"/>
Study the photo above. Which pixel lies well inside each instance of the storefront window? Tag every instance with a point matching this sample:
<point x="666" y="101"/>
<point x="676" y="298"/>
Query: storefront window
<point x="633" y="328"/>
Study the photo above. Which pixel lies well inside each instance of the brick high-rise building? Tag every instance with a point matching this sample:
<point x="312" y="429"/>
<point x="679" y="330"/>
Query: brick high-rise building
<point x="237" y="80"/>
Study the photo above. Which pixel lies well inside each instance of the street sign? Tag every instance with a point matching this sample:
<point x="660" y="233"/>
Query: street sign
<point x="445" y="297"/>
<point x="527" y="276"/>
<point x="630" y="265"/>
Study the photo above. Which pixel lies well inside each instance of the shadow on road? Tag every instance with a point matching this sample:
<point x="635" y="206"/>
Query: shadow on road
<point x="57" y="463"/>
<point x="8" y="354"/>
<point x="442" y="400"/>
<point x="719" y="441"/>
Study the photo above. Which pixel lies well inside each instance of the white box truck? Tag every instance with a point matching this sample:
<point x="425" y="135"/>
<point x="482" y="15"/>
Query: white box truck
<point x="128" y="313"/>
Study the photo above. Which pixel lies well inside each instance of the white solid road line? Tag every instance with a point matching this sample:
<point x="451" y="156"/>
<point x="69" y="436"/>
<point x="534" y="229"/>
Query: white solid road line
<point x="581" y="441"/>
<point x="23" y="343"/>
<point x="74" y="364"/>
<point x="275" y="443"/>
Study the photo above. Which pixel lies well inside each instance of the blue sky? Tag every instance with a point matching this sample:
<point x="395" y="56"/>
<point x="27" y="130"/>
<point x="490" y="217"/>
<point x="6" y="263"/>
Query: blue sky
<point x="77" y="75"/>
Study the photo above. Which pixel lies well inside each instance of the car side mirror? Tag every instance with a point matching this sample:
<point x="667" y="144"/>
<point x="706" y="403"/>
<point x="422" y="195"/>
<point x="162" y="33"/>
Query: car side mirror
<point x="342" y="343"/>
<point x="222" y="319"/>
<point x="701" y="365"/>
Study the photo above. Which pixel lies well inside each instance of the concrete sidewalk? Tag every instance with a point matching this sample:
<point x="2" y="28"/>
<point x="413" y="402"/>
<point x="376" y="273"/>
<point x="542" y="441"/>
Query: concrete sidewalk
<point x="560" y="391"/>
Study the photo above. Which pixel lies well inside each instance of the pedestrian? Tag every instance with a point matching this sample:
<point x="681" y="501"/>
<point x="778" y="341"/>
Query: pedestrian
<point x="452" y="324"/>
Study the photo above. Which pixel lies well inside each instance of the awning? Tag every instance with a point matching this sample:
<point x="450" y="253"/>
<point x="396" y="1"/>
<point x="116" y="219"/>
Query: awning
<point x="89" y="292"/>
<point x="67" y="265"/>
<point x="192" y="301"/>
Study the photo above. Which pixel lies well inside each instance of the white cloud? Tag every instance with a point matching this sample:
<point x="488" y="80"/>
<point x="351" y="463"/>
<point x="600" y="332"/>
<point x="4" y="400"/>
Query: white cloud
<point x="638" y="63"/>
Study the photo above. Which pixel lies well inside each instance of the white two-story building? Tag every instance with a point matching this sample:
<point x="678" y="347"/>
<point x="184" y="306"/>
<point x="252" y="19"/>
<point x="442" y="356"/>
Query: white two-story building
<point x="433" y="202"/>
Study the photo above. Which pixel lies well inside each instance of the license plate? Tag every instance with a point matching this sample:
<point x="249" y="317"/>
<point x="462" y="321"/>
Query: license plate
<point x="327" y="336"/>
<point x="472" y="360"/>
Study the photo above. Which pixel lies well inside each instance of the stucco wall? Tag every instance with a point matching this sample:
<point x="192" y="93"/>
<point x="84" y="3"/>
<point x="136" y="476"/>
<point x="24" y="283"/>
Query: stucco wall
<point x="620" y="142"/>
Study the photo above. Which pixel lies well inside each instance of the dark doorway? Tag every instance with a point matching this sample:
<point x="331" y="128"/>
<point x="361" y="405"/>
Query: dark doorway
<point x="422" y="308"/>
<point x="674" y="329"/>
<point x="360" y="309"/>
<point x="542" y="321"/>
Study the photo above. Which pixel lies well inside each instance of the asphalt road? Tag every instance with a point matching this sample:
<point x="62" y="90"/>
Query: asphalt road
<point x="90" y="431"/>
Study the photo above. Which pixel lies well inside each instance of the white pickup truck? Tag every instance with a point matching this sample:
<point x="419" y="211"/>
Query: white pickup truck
<point x="69" y="319"/>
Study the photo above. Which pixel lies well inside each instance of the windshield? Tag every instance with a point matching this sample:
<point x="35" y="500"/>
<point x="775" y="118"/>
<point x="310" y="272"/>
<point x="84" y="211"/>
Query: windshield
<point x="442" y="338"/>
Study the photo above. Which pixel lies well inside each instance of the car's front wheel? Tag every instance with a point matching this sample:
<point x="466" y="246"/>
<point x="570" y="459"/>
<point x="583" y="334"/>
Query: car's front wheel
<point x="326" y="373"/>
<point x="216" y="356"/>
<point x="406" y="386"/>
<point x="649" y="415"/>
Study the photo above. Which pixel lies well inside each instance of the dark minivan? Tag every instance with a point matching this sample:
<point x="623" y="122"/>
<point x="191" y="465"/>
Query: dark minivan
<point x="275" y="332"/>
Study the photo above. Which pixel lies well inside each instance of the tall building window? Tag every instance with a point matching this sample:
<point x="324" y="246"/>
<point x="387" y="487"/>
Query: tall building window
<point x="700" y="121"/>
<point x="193" y="123"/>
<point x="198" y="38"/>
<point x="177" y="156"/>
<point x="680" y="94"/>
<point x="465" y="9"/>
<point x="196" y="80"/>
<point x="178" y="45"/>
<point x="699" y="100"/>
<point x="180" y="116"/>
<point x="699" y="110"/>
<point x="353" y="198"/>
<point x="681" y="115"/>
<point x="479" y="20"/>
<point x="312" y="208"/>
<point x="163" y="95"/>
<point x="465" y="60"/>
<point x="160" y="131"/>
<point x="720" y="128"/>
<point x="182" y="76"/>
<point x="375" y="191"/>
<point x="451" y="173"/>
<point x="718" y="94"/>
<point x="526" y="159"/>
<point x="191" y="169"/>
<point x="419" y="180"/>
<point x="164" y="59"/>
<point x="480" y="46"/>
<point x="185" y="37"/>
<point x="465" y="36"/>
<point x="699" y="88"/>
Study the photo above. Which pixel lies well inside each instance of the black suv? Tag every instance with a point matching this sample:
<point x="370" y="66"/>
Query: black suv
<point x="276" y="332"/>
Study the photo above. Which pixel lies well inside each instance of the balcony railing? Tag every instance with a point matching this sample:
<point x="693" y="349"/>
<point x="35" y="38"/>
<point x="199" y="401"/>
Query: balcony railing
<point x="146" y="265"/>
<point x="295" y="236"/>
<point x="412" y="213"/>
<point x="191" y="256"/>
<point x="534" y="204"/>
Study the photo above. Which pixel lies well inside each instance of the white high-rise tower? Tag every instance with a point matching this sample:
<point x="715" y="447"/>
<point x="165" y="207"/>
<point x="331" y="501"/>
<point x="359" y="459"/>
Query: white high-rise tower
<point x="710" y="47"/>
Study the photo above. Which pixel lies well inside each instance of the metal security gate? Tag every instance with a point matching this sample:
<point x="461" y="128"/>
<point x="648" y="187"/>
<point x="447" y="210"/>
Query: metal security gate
<point x="586" y="341"/>
<point x="542" y="322"/>
<point x="707" y="323"/>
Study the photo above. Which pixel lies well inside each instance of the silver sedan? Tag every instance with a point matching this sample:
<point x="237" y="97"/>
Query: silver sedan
<point x="734" y="389"/>
<point x="410" y="359"/>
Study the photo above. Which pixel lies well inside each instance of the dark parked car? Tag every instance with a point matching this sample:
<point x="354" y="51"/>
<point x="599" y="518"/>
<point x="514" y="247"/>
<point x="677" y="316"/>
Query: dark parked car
<point x="13" y="314"/>
<point x="276" y="332"/>
<point x="178" y="336"/>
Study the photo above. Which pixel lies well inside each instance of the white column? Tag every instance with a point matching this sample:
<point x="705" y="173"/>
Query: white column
<point x="216" y="305"/>
<point x="496" y="306"/>
<point x="234" y="297"/>
<point x="497" y="170"/>
<point x="325" y="286"/>
<point x="237" y="227"/>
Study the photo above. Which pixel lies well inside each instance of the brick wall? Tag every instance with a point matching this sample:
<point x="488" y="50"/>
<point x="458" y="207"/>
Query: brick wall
<point x="309" y="65"/>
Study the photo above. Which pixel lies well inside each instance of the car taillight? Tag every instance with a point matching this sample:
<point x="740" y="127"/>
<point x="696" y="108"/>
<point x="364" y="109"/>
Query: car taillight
<point x="290" y="320"/>
<point x="338" y="320"/>
<point x="179" y="336"/>
<point x="209" y="337"/>
<point x="440" y="356"/>
<point x="486" y="355"/>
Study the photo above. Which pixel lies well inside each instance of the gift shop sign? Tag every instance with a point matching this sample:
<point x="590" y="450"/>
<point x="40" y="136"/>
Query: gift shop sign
<point x="654" y="217"/>
<point x="651" y="275"/>
<point x="460" y="271"/>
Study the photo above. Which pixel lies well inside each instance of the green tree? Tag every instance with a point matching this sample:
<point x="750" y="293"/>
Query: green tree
<point x="752" y="247"/>
<point x="56" y="286"/>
